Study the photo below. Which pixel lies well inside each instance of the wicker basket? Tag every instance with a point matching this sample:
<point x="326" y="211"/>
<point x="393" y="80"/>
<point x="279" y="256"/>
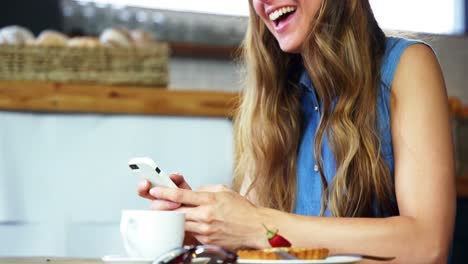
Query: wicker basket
<point x="122" y="66"/>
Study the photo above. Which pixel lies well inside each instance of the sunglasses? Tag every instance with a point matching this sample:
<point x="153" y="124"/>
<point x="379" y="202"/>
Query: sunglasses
<point x="185" y="255"/>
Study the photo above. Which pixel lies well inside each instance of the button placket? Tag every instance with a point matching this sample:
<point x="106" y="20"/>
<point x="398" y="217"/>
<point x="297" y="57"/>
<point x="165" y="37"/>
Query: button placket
<point x="316" y="168"/>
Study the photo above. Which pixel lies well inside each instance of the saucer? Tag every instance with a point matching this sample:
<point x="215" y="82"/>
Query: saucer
<point x="126" y="260"/>
<point x="116" y="259"/>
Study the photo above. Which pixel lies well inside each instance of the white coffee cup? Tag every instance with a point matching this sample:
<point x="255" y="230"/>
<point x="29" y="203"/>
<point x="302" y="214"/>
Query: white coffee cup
<point x="148" y="234"/>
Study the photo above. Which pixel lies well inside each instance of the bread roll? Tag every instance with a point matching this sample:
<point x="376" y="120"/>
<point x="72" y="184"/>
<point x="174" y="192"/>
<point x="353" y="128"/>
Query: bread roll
<point x="15" y="35"/>
<point x="84" y="42"/>
<point x="116" y="37"/>
<point x="142" y="38"/>
<point x="51" y="38"/>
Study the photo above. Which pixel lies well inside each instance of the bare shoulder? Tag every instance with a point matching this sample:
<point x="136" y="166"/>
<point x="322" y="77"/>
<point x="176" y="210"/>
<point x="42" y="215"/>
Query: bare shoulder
<point x="419" y="50"/>
<point x="418" y="54"/>
<point x="418" y="72"/>
<point x="418" y="89"/>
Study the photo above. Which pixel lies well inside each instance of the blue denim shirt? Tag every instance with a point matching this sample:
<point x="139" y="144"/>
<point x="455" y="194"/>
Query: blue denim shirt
<point x="309" y="185"/>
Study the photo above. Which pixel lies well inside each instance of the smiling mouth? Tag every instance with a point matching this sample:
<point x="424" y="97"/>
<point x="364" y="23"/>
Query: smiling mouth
<point x="281" y="14"/>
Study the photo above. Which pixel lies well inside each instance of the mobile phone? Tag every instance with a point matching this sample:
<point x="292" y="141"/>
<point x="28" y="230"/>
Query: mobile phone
<point x="145" y="168"/>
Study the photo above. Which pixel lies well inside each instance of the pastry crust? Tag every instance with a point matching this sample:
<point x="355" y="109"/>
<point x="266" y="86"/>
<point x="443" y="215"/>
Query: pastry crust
<point x="269" y="254"/>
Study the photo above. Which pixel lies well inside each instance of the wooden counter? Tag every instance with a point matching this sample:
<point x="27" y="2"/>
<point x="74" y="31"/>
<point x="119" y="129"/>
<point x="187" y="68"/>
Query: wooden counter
<point x="87" y="98"/>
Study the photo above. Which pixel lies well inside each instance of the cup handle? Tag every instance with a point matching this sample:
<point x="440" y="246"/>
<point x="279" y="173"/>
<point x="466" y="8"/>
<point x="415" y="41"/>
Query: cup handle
<point x="129" y="225"/>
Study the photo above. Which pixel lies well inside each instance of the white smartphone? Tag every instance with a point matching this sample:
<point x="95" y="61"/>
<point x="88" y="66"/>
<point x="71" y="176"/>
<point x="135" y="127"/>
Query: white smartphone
<point x="145" y="168"/>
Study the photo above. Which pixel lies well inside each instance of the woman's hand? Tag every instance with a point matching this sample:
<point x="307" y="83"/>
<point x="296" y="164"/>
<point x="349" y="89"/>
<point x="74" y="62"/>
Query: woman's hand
<point x="158" y="204"/>
<point x="217" y="215"/>
<point x="144" y="189"/>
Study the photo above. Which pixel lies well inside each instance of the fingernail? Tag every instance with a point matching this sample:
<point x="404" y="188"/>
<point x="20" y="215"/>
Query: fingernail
<point x="173" y="205"/>
<point x="142" y="184"/>
<point x="154" y="192"/>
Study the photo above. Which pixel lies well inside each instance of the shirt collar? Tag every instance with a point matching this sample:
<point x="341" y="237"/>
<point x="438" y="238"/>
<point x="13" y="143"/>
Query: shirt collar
<point x="305" y="81"/>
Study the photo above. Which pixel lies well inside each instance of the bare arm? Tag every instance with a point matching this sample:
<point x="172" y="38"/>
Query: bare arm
<point x="424" y="178"/>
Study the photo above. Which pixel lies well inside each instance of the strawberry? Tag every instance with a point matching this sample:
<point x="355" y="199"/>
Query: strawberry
<point x="276" y="240"/>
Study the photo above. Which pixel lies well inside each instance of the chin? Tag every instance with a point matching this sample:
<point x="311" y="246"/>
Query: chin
<point x="290" y="47"/>
<point x="290" y="44"/>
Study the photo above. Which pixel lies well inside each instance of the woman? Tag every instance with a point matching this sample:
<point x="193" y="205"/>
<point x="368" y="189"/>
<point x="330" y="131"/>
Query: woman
<point x="336" y="120"/>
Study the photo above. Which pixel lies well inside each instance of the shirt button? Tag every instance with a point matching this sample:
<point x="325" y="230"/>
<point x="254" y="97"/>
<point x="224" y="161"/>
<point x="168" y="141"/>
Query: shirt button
<point x="316" y="168"/>
<point x="316" y="109"/>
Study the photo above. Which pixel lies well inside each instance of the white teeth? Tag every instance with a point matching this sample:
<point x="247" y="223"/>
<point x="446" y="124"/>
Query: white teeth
<point x="284" y="10"/>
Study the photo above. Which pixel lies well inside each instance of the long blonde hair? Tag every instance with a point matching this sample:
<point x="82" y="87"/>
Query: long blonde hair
<point x="342" y="55"/>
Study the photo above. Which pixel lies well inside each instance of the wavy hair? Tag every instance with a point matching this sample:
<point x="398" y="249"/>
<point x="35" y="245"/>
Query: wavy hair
<point x="342" y="54"/>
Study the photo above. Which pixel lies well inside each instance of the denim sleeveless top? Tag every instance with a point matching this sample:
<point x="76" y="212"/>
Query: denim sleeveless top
<point x="309" y="184"/>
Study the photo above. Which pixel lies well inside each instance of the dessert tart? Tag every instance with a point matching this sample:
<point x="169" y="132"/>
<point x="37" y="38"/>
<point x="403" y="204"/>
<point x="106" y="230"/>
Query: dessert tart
<point x="269" y="253"/>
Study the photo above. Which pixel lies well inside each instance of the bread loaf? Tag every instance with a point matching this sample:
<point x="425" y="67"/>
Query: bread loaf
<point x="51" y="38"/>
<point x="142" y="38"/>
<point x="116" y="37"/>
<point x="84" y="42"/>
<point x="15" y="35"/>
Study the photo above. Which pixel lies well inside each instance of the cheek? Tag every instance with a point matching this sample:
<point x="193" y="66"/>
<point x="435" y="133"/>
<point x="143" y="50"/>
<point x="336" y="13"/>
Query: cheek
<point x="258" y="7"/>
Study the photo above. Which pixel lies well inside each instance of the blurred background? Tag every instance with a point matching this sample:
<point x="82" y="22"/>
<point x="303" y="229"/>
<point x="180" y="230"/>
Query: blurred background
<point x="64" y="176"/>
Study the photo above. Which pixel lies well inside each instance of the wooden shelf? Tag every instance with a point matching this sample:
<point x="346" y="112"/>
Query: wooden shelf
<point x="84" y="98"/>
<point x="224" y="52"/>
<point x="462" y="187"/>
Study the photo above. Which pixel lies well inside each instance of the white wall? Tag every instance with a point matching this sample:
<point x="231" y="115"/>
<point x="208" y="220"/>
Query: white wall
<point x="204" y="74"/>
<point x="453" y="56"/>
<point x="64" y="178"/>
